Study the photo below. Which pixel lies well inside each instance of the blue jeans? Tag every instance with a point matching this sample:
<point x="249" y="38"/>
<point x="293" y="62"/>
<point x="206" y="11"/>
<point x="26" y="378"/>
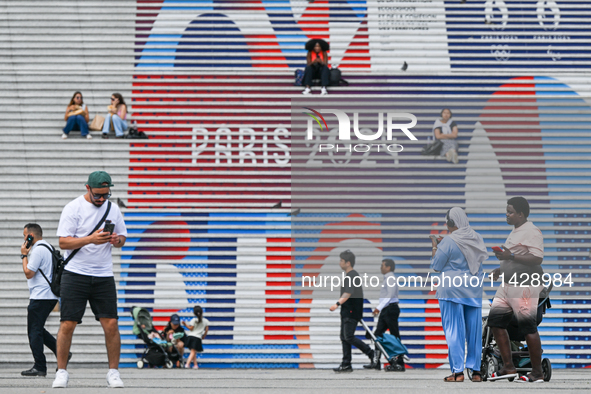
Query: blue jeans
<point x="119" y="124"/>
<point x="76" y="123"/>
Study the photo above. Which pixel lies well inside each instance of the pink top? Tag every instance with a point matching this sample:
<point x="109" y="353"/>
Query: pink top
<point x="524" y="239"/>
<point x="120" y="112"/>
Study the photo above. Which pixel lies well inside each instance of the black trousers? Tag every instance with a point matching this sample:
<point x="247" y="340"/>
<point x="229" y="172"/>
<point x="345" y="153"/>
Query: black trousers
<point x="348" y="339"/>
<point x="315" y="71"/>
<point x="388" y="320"/>
<point x="37" y="313"/>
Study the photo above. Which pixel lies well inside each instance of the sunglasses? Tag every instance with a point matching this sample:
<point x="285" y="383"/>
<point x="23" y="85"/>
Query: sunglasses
<point x="105" y="196"/>
<point x="113" y="99"/>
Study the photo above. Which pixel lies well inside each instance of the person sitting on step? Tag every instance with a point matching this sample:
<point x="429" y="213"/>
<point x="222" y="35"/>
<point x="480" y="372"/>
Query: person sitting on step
<point x="446" y="130"/>
<point x="317" y="67"/>
<point x="116" y="116"/>
<point x="76" y="117"/>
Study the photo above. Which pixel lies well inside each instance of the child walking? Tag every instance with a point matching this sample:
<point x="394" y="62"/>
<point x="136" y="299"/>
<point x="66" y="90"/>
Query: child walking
<point x="198" y="328"/>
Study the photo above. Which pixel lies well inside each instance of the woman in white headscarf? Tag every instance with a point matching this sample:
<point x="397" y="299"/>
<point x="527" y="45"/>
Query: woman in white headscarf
<point x="459" y="256"/>
<point x="446" y="131"/>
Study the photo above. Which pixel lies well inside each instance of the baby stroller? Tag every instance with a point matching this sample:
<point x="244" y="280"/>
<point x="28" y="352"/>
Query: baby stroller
<point x="156" y="354"/>
<point x="491" y="356"/>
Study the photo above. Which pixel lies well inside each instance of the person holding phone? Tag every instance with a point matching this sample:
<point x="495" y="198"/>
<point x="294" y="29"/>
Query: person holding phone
<point x="88" y="277"/>
<point x="460" y="256"/>
<point x="521" y="268"/>
<point x="316" y="67"/>
<point x="41" y="299"/>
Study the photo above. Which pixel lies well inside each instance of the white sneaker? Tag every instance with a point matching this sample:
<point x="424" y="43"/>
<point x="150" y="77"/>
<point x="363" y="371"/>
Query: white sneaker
<point x="306" y="91"/>
<point x="454" y="157"/>
<point x="64" y="136"/>
<point x="114" y="379"/>
<point x="448" y="155"/>
<point x="323" y="91"/>
<point x="61" y="379"/>
<point x="88" y="137"/>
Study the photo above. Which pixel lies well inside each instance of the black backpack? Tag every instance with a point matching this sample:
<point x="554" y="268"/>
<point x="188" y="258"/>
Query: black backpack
<point x="57" y="269"/>
<point x="134" y="134"/>
<point x="58" y="263"/>
<point x="336" y="78"/>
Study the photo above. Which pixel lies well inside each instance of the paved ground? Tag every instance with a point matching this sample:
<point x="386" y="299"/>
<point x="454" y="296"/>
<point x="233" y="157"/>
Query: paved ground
<point x="91" y="381"/>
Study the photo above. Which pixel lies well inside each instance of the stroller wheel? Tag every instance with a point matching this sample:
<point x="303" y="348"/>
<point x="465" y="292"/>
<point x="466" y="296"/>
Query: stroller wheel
<point x="168" y="364"/>
<point x="492" y="365"/>
<point x="484" y="370"/>
<point x="547" y="369"/>
<point x="140" y="364"/>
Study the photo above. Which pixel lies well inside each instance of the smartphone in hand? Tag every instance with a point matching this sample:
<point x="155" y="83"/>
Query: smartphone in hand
<point x="29" y="241"/>
<point x="497" y="249"/>
<point x="109" y="227"/>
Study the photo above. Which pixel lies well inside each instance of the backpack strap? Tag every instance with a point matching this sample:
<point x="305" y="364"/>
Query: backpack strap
<point x="71" y="256"/>
<point x="51" y="249"/>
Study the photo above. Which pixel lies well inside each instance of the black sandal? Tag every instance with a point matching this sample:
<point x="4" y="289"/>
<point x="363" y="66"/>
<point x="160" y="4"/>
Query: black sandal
<point x="454" y="377"/>
<point x="476" y="376"/>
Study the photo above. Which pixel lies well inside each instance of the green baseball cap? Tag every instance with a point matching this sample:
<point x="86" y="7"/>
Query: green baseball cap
<point x="99" y="179"/>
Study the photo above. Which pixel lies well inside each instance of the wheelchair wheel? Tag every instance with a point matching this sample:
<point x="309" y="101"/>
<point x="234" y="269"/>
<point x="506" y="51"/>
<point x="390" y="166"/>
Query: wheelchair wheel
<point x="140" y="364"/>
<point x="547" y="369"/>
<point x="168" y="364"/>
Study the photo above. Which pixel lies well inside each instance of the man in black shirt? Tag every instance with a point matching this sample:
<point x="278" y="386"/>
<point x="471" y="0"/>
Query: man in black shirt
<point x="351" y="303"/>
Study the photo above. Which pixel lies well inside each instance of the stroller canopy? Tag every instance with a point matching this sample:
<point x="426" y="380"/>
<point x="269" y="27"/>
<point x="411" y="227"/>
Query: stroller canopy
<point x="141" y="317"/>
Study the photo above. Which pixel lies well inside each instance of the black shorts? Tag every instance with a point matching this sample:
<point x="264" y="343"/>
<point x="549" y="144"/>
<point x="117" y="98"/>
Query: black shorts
<point x="77" y="290"/>
<point x="194" y="343"/>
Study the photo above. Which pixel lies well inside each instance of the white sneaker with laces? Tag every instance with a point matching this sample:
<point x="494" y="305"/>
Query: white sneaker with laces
<point x="88" y="137"/>
<point x="306" y="91"/>
<point x="323" y="91"/>
<point x="114" y="379"/>
<point x="61" y="379"/>
<point x="64" y="136"/>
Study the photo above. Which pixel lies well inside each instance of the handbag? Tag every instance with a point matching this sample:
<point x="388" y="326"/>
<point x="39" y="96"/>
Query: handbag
<point x="97" y="123"/>
<point x="432" y="149"/>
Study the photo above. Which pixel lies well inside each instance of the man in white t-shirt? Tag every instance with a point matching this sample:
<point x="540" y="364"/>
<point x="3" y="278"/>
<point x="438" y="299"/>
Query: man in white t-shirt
<point x="88" y="276"/>
<point x="36" y="258"/>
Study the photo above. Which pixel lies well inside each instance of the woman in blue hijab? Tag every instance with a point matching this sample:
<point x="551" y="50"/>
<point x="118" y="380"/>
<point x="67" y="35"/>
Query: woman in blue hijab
<point x="459" y="258"/>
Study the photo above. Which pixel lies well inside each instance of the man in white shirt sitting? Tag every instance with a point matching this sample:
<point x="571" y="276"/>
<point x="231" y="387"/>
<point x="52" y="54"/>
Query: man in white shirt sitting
<point x="389" y="311"/>
<point x="37" y="257"/>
